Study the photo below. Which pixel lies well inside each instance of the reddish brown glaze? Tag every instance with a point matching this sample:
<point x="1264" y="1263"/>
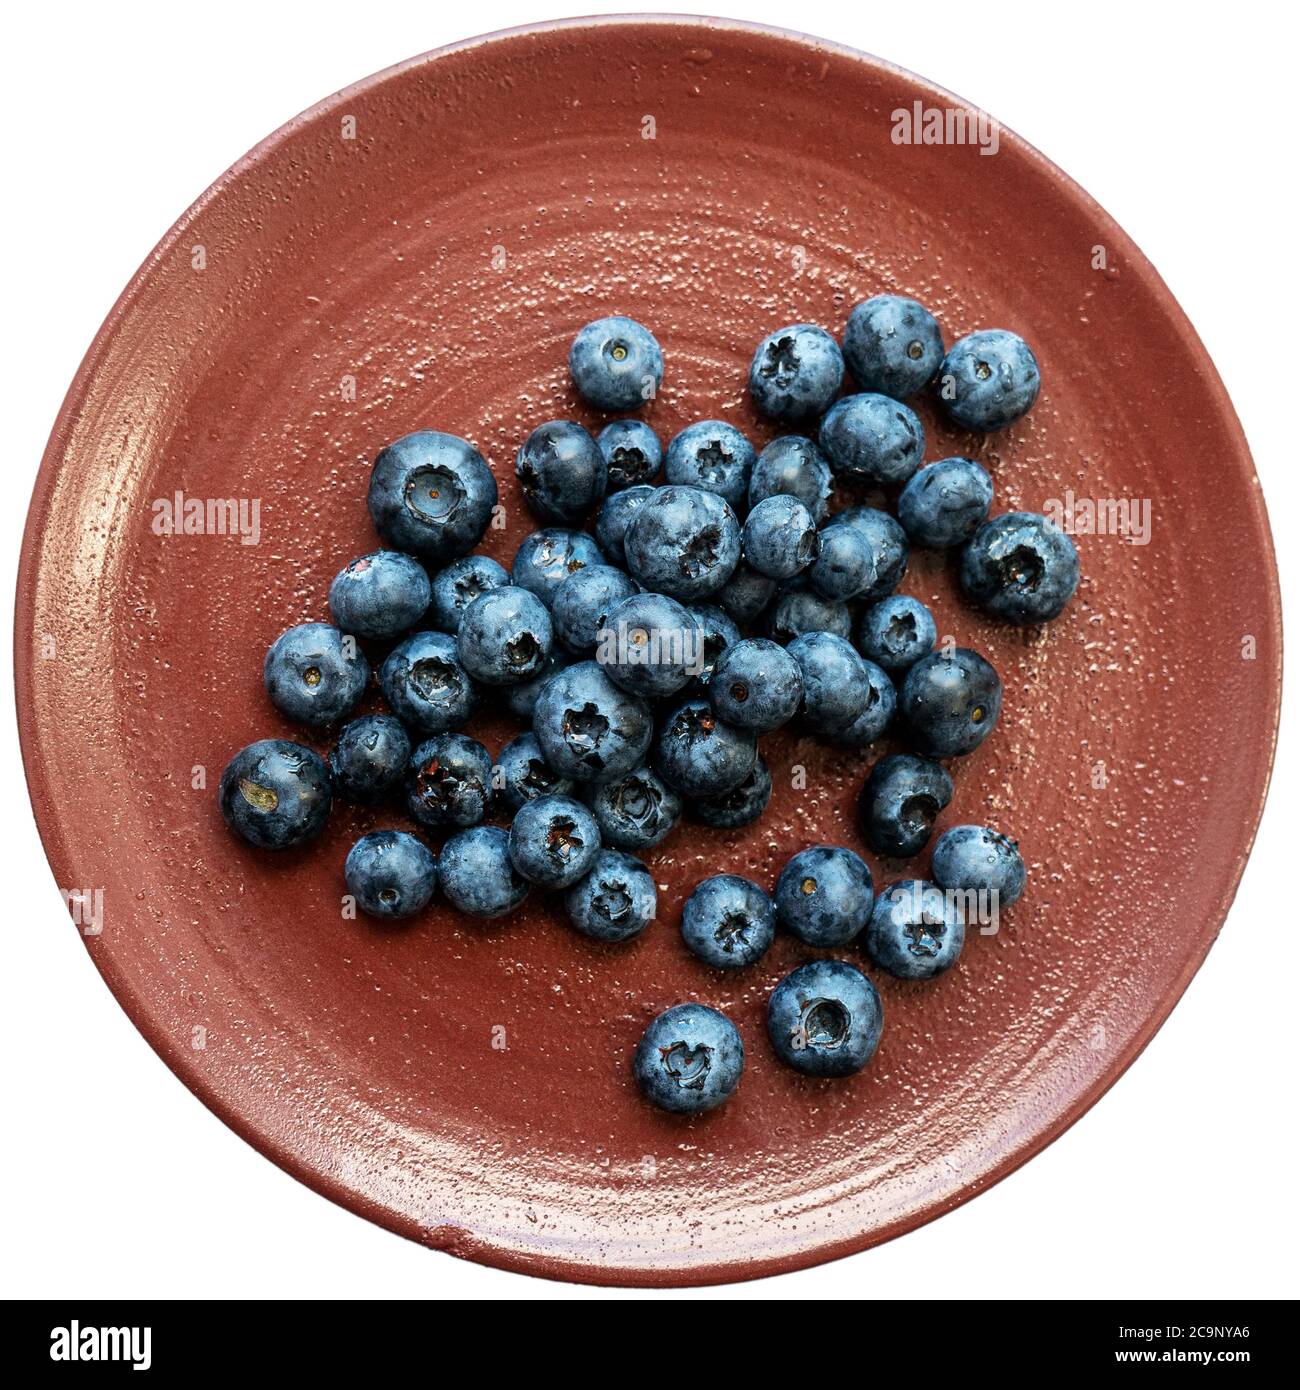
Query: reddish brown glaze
<point x="497" y="195"/>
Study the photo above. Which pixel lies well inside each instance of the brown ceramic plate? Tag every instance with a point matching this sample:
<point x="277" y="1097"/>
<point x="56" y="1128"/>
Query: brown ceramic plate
<point x="467" y="1085"/>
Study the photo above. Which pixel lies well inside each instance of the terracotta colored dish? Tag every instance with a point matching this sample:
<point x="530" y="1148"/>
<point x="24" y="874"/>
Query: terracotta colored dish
<point x="417" y="252"/>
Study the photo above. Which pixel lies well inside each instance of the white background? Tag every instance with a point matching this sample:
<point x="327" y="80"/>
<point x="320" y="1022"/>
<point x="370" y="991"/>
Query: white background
<point x="1180" y="120"/>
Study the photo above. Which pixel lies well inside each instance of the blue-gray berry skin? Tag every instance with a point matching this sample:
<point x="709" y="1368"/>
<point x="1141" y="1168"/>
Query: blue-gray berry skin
<point x="615" y="516"/>
<point x="835" y="685"/>
<point x="872" y="438"/>
<point x="945" y="502"/>
<point x="650" y="646"/>
<point x="683" y="542"/>
<point x="275" y="794"/>
<point x="949" y="703"/>
<point x="633" y="454"/>
<point x="432" y="495"/>
<point x="877" y="713"/>
<point x="380" y="595"/>
<point x="779" y="538"/>
<point x="699" y="755"/>
<point x="476" y="873"/>
<point x="1020" y="567"/>
<point x="589" y="729"/>
<point x="582" y="605"/>
<point x="713" y="456"/>
<point x="457" y="586"/>
<point x="616" y="364"/>
<point x="900" y="802"/>
<point x="522" y="698"/>
<point x="892" y="345"/>
<point x="728" y="921"/>
<point x="615" y="901"/>
<point x="425" y="684"/>
<point x="794" y="466"/>
<point x="391" y="874"/>
<point x="689" y="1059"/>
<point x="916" y="930"/>
<point x="845" y="565"/>
<point x="369" y="759"/>
<point x="973" y="858"/>
<point x="561" y="472"/>
<point x="505" y="636"/>
<point x="988" y="380"/>
<point x="758" y="686"/>
<point x="824" y="895"/>
<point x="896" y="632"/>
<point x="522" y="773"/>
<point x="635" y="812"/>
<point x="546" y="558"/>
<point x="745" y="597"/>
<point x="315" y="674"/>
<point x="448" y="781"/>
<point x="825" y="1019"/>
<point x="796" y="372"/>
<point x="798" y="610"/>
<point x="554" y="841"/>
<point x="888" y="544"/>
<point x="719" y="635"/>
<point x="741" y="806"/>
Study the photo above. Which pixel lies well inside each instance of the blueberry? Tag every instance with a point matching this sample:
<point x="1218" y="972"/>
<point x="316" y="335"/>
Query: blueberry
<point x="582" y="605"/>
<point x="988" y="380"/>
<point x="728" y="921"/>
<point x="522" y="698"/>
<point x="700" y="755"/>
<point x="391" y="874"/>
<point x="683" y="542"/>
<point x="369" y="759"/>
<point x="975" y="859"/>
<point x="505" y="636"/>
<point x="896" y="632"/>
<point x="652" y="645"/>
<point x="794" y="466"/>
<point x="275" y="794"/>
<point x="872" y="438"/>
<point x="888" y="543"/>
<point x="477" y="875"/>
<point x="380" y="595"/>
<point x="616" y="364"/>
<point x="425" y="684"/>
<point x="945" y="503"/>
<point x="950" y="702"/>
<point x="916" y="931"/>
<point x="758" y="686"/>
<point x="314" y="674"/>
<point x="900" y="801"/>
<point x="845" y="565"/>
<point x="554" y="841"/>
<point x="796" y="372"/>
<point x="824" y="895"/>
<point x="745" y="596"/>
<point x="825" y="1019"/>
<point x="1020" y="567"/>
<point x="779" y="538"/>
<point x="637" y="811"/>
<point x="743" y="805"/>
<point x="561" y="471"/>
<point x="719" y="633"/>
<point x="448" y="781"/>
<point x="835" y="685"/>
<point x="457" y="586"/>
<point x="876" y="715"/>
<point x="522" y="773"/>
<point x="616" y="901"/>
<point x="798" y="609"/>
<point x="589" y="729"/>
<point x="632" y="452"/>
<point x="689" y="1059"/>
<point x="892" y="345"/>
<point x="546" y="558"/>
<point x="615" y="516"/>
<point x="431" y="494"/>
<point x="713" y="456"/>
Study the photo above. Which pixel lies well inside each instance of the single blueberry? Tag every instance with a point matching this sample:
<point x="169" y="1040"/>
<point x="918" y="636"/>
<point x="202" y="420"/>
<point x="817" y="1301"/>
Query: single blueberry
<point x="380" y="595"/>
<point x="758" y="686"/>
<point x="522" y="698"/>
<point x="835" y="685"/>
<point x="615" y="516"/>
<point x="391" y="874"/>
<point x="616" y="901"/>
<point x="916" y="931"/>
<point x="945" y="503"/>
<point x="432" y="495"/>
<point x="700" y="755"/>
<point x="589" y="729"/>
<point x="505" y="636"/>
<point x="689" y="1059"/>
<point x="950" y="702"/>
<point x="745" y="596"/>
<point x="872" y="438"/>
<point x="743" y="805"/>
<point x="779" y="538"/>
<point x="845" y="566"/>
<point x="713" y="456"/>
<point x="719" y="633"/>
<point x="796" y="372"/>
<point x="888" y="543"/>
<point x="425" y="684"/>
<point x="896" y="632"/>
<point x="794" y="466"/>
<point x="616" y="364"/>
<point x="477" y="875"/>
<point x="582" y="605"/>
<point x="314" y="674"/>
<point x="798" y="610"/>
<point x="651" y="646"/>
<point x="457" y="586"/>
<point x="892" y="345"/>
<point x="825" y="1019"/>
<point x="1020" y="567"/>
<point x="522" y="773"/>
<point x="824" y="895"/>
<point x="369" y="759"/>
<point x="561" y="471"/>
<point x="632" y="451"/>
<point x="728" y="921"/>
<point x="900" y="801"/>
<point x="975" y="859"/>
<point x="275" y="794"/>
<point x="546" y="558"/>
<point x="877" y="714"/>
<point x="635" y="812"/>
<point x="554" y="841"/>
<point x="683" y="542"/>
<point x="448" y="781"/>
<point x="988" y="380"/>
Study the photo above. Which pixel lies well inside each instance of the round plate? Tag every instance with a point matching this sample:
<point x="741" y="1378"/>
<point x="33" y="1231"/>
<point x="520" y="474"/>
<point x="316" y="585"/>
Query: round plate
<point x="417" y="252"/>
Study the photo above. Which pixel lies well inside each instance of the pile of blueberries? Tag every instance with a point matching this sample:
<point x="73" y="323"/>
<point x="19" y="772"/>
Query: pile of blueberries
<point x="627" y="651"/>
